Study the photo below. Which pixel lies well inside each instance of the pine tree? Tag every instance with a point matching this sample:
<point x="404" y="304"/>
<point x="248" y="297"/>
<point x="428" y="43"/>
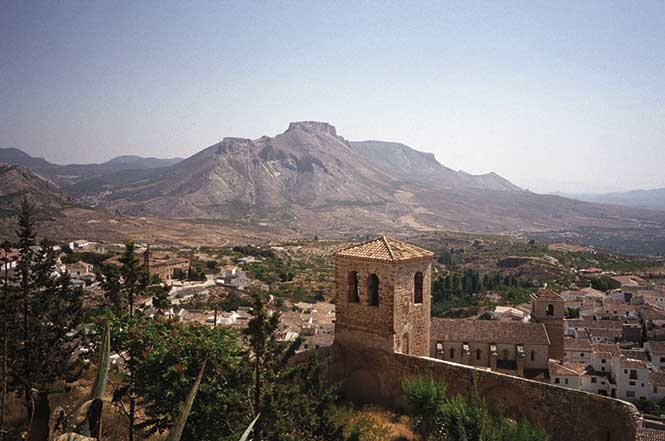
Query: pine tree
<point x="6" y="317"/>
<point x="48" y="308"/>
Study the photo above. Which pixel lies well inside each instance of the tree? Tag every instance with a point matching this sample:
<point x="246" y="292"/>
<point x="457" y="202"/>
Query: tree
<point x="134" y="276"/>
<point x="6" y="317"/>
<point x="166" y="356"/>
<point x="49" y="307"/>
<point x="278" y="387"/>
<point x="160" y="298"/>
<point x="109" y="280"/>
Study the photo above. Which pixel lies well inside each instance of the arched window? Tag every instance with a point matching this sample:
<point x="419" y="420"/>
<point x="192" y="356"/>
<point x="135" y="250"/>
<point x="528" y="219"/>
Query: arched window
<point x="418" y="287"/>
<point x="452" y="353"/>
<point x="477" y="354"/>
<point x="373" y="289"/>
<point x="354" y="287"/>
<point x="550" y="309"/>
<point x="533" y="355"/>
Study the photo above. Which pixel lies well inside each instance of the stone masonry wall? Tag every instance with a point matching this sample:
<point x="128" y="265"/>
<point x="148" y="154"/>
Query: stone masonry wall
<point x="360" y="322"/>
<point x="375" y="376"/>
<point x="412" y="320"/>
<point x="384" y="326"/>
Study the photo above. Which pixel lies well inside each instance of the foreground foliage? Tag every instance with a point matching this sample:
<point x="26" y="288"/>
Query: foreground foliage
<point x="441" y="416"/>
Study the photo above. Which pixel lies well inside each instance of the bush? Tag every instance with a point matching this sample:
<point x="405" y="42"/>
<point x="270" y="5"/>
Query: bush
<point x="456" y="418"/>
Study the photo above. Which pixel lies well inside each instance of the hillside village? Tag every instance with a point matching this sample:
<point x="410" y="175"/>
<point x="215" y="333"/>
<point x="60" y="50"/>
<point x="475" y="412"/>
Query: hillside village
<point x="609" y="341"/>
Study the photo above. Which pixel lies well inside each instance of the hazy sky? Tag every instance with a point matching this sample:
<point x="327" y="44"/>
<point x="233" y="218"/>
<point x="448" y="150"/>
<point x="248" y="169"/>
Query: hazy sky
<point x="552" y="95"/>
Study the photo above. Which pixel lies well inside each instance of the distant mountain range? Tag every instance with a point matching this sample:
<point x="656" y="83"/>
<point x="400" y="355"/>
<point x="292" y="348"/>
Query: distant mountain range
<point x="651" y="199"/>
<point x="71" y="174"/>
<point x="311" y="179"/>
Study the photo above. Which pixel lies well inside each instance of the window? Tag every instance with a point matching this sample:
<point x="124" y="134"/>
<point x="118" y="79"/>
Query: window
<point x="593" y="379"/>
<point x="354" y="287"/>
<point x="662" y="359"/>
<point x="633" y="374"/>
<point x="477" y="354"/>
<point x="632" y="383"/>
<point x="603" y="361"/>
<point x="566" y="380"/>
<point x="582" y="354"/>
<point x="550" y="309"/>
<point x="373" y="289"/>
<point x="452" y="353"/>
<point x="533" y="355"/>
<point x="418" y="287"/>
<point x="556" y="381"/>
<point x="630" y="393"/>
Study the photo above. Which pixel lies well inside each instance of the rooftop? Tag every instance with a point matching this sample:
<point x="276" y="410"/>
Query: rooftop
<point x="566" y="368"/>
<point x="548" y="294"/>
<point x="384" y="249"/>
<point x="488" y="331"/>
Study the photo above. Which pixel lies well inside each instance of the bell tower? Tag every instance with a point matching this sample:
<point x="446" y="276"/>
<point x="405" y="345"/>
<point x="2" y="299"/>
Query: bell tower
<point x="548" y="308"/>
<point x="383" y="296"/>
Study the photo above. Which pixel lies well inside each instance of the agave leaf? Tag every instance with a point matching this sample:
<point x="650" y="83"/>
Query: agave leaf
<point x="179" y="425"/>
<point x="103" y="366"/>
<point x="86" y="419"/>
<point x="245" y="436"/>
<point x="74" y="437"/>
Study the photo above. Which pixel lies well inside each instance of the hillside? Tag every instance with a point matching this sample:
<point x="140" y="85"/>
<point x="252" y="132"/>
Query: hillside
<point x="651" y="199"/>
<point x="415" y="167"/>
<point x="17" y="182"/>
<point x="310" y="180"/>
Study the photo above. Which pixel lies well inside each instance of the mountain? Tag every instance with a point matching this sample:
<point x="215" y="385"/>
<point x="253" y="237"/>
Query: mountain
<point x="412" y="166"/>
<point x="306" y="166"/>
<point x="140" y="162"/>
<point x="72" y="174"/>
<point x="310" y="178"/>
<point x="17" y="182"/>
<point x="650" y="199"/>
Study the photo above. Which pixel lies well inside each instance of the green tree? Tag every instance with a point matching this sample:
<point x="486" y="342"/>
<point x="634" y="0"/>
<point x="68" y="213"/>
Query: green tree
<point x="165" y="357"/>
<point x="109" y="280"/>
<point x="7" y="316"/>
<point x="49" y="307"/>
<point x="134" y="275"/>
<point x="279" y="388"/>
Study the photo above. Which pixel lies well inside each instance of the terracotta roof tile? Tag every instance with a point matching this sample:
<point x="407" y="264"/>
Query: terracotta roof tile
<point x="385" y="249"/>
<point x="657" y="346"/>
<point x="577" y="344"/>
<point x="650" y="435"/>
<point x="548" y="294"/>
<point x="488" y="331"/>
<point x="566" y="368"/>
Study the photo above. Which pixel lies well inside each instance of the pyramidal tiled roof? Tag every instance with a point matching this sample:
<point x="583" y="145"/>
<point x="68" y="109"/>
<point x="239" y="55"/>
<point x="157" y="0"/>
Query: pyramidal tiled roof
<point x="385" y="249"/>
<point x="548" y="294"/>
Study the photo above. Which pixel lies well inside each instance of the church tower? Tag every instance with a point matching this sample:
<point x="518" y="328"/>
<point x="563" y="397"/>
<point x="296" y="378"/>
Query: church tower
<point x="383" y="296"/>
<point x="548" y="308"/>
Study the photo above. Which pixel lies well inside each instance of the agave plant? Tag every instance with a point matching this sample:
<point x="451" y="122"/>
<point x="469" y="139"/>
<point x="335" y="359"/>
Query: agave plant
<point x="86" y="422"/>
<point x="179" y="425"/>
<point x="245" y="436"/>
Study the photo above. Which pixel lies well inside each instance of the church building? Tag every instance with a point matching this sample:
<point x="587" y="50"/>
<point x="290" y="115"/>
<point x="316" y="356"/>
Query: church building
<point x="384" y="301"/>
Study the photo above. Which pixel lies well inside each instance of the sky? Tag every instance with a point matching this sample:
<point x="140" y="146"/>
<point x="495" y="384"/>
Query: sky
<point x="555" y="96"/>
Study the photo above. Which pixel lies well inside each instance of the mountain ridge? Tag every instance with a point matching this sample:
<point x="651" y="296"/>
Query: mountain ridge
<point x="310" y="179"/>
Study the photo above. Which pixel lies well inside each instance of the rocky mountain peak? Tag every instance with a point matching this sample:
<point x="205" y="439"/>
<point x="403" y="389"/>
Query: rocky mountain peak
<point x="314" y="127"/>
